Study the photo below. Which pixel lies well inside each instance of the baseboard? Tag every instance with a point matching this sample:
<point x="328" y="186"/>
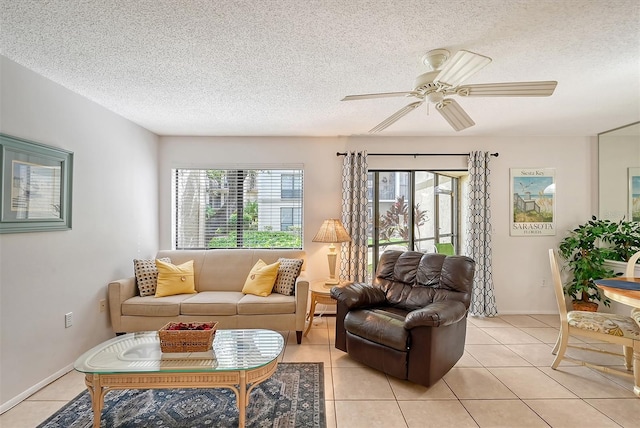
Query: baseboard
<point x="525" y="312"/>
<point x="35" y="388"/>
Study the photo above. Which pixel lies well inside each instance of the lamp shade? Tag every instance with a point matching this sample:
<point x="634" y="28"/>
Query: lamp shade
<point x="332" y="231"/>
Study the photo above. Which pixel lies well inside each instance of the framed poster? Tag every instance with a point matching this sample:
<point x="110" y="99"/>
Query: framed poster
<point x="634" y="194"/>
<point x="35" y="186"/>
<point x="532" y="205"/>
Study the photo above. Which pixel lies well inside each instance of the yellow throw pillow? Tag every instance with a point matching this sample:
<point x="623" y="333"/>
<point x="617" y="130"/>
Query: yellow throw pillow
<point x="261" y="279"/>
<point x="175" y="279"/>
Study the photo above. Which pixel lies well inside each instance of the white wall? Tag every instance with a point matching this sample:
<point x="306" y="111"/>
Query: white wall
<point x="115" y="219"/>
<point x="520" y="263"/>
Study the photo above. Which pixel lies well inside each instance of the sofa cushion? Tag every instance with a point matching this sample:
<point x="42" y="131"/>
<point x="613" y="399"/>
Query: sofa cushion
<point x="211" y="303"/>
<point x="274" y="303"/>
<point x="261" y="279"/>
<point x="150" y="306"/>
<point x="147" y="275"/>
<point x="175" y="279"/>
<point x="287" y="273"/>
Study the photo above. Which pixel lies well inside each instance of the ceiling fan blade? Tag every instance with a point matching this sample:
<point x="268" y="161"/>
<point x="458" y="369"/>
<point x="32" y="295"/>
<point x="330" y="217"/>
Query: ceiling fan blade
<point x="395" y="116"/>
<point x="454" y="114"/>
<point x="510" y="89"/>
<point x="381" y="95"/>
<point x="463" y="65"/>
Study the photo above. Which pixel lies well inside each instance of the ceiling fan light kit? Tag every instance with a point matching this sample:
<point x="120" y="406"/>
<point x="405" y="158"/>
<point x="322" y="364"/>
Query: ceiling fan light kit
<point x="434" y="86"/>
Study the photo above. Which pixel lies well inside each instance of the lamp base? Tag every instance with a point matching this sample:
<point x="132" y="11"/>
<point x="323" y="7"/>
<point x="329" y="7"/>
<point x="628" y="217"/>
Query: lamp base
<point x="332" y="281"/>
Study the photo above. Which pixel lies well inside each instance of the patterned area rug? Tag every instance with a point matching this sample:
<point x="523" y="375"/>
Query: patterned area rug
<point x="292" y="397"/>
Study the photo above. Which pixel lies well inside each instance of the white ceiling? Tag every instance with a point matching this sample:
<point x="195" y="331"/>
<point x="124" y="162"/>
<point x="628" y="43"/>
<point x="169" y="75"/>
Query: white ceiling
<point x="267" y="67"/>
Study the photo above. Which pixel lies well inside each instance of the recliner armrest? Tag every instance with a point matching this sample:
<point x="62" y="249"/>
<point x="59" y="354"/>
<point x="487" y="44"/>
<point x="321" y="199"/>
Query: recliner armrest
<point x="358" y="295"/>
<point x="437" y="314"/>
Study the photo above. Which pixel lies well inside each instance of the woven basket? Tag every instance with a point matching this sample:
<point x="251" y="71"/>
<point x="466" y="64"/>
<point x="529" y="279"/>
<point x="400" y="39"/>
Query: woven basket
<point x="186" y="340"/>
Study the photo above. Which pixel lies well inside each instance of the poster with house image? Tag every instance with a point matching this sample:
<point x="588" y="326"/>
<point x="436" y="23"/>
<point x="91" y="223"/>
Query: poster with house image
<point x="532" y="202"/>
<point x="634" y="194"/>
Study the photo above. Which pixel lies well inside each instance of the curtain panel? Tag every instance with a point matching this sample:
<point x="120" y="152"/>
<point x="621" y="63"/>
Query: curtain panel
<point x="353" y="255"/>
<point x="478" y="242"/>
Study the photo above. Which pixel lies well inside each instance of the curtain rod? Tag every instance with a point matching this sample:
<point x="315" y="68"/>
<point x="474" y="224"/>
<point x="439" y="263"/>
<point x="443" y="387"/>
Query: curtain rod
<point x="496" y="154"/>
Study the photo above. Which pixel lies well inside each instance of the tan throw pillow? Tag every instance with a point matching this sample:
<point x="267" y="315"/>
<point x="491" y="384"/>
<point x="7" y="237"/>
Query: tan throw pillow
<point x="287" y="273"/>
<point x="175" y="279"/>
<point x="147" y="275"/>
<point x="261" y="279"/>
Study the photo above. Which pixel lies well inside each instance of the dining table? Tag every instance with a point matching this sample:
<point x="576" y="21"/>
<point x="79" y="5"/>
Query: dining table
<point x="627" y="291"/>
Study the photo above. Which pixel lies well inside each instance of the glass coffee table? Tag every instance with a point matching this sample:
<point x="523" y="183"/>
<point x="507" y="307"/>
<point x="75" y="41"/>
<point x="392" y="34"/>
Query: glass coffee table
<point x="239" y="360"/>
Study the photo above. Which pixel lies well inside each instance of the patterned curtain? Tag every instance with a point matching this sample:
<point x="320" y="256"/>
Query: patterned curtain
<point x="478" y="242"/>
<point x="353" y="256"/>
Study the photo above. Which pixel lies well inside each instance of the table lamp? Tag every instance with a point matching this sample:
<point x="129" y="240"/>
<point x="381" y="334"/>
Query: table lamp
<point x="332" y="231"/>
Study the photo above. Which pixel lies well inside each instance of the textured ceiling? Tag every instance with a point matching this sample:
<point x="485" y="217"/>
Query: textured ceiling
<point x="266" y="67"/>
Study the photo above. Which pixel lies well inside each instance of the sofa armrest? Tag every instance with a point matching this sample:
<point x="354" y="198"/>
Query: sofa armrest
<point x="358" y="295"/>
<point x="118" y="292"/>
<point x="437" y="314"/>
<point x="302" y="296"/>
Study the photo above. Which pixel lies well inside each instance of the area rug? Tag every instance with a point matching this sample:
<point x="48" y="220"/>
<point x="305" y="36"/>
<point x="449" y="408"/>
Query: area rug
<point x="292" y="397"/>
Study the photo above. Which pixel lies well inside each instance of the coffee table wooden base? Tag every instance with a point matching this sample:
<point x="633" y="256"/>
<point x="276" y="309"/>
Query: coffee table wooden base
<point x="241" y="382"/>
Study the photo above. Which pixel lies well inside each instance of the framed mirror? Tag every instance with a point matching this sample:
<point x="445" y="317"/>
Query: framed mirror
<point x="619" y="173"/>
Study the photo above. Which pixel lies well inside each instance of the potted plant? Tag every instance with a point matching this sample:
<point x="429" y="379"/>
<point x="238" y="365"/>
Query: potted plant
<point x="586" y="261"/>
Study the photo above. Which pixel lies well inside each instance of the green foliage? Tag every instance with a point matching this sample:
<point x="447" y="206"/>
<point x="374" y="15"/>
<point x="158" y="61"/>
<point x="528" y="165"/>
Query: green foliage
<point x="623" y="239"/>
<point x="258" y="239"/>
<point x="394" y="224"/>
<point x="586" y="248"/>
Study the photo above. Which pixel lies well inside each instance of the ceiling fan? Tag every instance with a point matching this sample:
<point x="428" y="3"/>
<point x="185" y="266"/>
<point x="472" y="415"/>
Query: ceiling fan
<point x="435" y="86"/>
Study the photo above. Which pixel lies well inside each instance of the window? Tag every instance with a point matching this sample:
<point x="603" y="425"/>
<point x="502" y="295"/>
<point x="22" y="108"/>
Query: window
<point x="290" y="186"/>
<point x="290" y="218"/>
<point x="237" y="208"/>
<point x="411" y="210"/>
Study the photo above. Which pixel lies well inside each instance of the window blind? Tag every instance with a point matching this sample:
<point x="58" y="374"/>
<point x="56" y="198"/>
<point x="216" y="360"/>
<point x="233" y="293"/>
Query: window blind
<point x="237" y="208"/>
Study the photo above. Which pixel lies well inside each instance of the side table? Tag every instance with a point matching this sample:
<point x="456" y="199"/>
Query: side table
<point x="320" y="294"/>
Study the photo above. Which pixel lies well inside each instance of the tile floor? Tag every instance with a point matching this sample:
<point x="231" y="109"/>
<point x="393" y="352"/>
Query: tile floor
<point x="503" y="380"/>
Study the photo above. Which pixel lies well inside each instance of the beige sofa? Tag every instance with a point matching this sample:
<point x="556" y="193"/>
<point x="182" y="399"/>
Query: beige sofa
<point x="219" y="276"/>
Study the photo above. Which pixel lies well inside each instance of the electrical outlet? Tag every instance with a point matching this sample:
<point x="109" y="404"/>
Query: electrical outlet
<point x="68" y="320"/>
<point x="103" y="305"/>
<point x="544" y="283"/>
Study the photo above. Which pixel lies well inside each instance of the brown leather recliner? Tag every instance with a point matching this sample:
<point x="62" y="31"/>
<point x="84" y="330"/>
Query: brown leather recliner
<point x="411" y="321"/>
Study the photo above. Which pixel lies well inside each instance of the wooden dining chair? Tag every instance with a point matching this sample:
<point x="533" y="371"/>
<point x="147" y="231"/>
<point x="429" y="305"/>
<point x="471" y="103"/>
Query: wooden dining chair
<point x="610" y="328"/>
<point x="631" y="265"/>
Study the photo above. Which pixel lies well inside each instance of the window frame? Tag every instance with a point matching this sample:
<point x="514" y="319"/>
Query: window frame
<point x="453" y="236"/>
<point x="239" y="186"/>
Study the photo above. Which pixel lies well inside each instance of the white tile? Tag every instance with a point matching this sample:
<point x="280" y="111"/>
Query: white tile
<point x="625" y="411"/>
<point x="503" y="413"/>
<point x="65" y="388"/>
<point x="436" y="414"/>
<point x="550" y="320"/>
<point x="476" y="383"/>
<point x="529" y="382"/>
<point x="488" y="322"/>
<point x="369" y="414"/>
<point x="29" y="413"/>
<point x="354" y="383"/>
<point x="523" y="321"/>
<point x="496" y="356"/>
<point x="477" y="336"/>
<point x="570" y="413"/>
<point x="467" y="361"/>
<point x="510" y="335"/>
<point x="405" y="390"/>
<point x="307" y="353"/>
<point x="537" y="354"/>
<point x="587" y="383"/>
